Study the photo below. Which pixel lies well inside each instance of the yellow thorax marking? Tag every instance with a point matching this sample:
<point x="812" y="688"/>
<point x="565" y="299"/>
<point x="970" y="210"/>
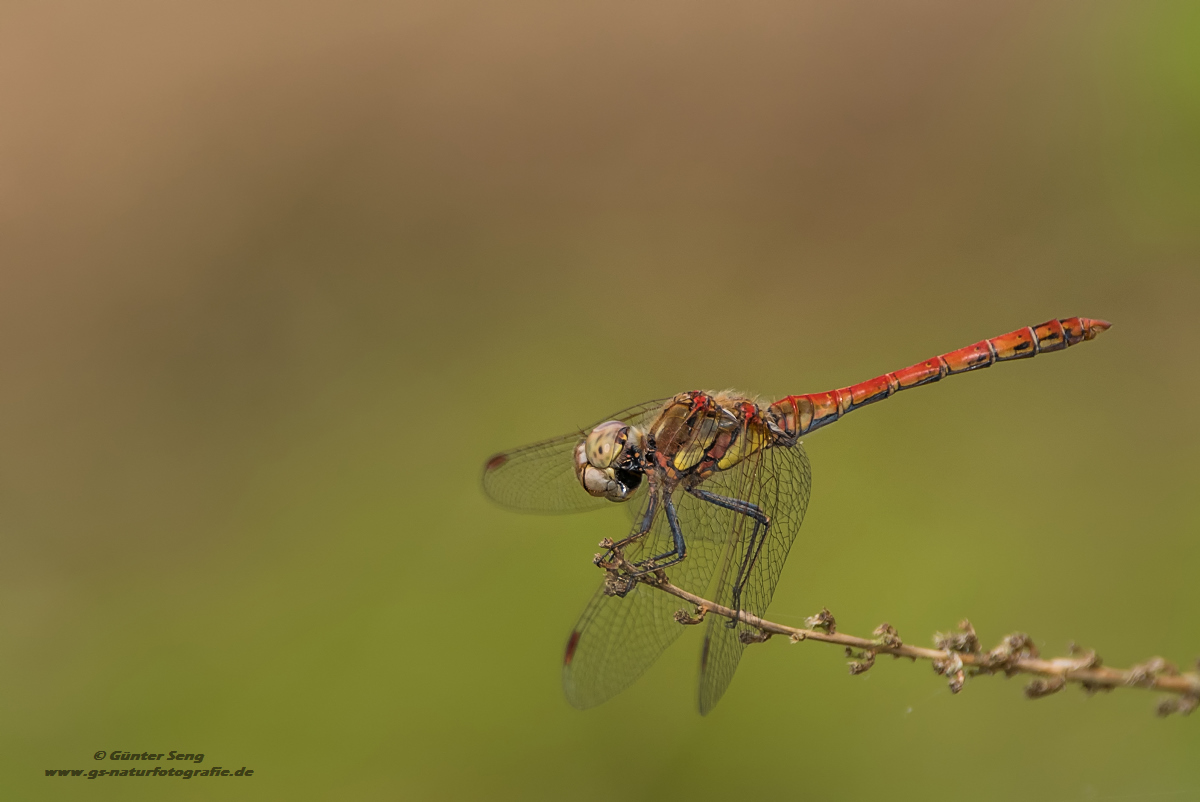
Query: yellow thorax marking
<point x="702" y="437"/>
<point x="748" y="441"/>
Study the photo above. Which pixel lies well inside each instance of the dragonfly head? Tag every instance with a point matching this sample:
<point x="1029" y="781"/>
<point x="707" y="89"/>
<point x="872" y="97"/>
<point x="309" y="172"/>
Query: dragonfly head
<point x="608" y="462"/>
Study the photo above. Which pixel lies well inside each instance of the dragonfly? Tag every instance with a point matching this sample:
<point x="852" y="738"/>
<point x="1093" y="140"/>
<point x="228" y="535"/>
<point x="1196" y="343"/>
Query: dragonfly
<point x="717" y="484"/>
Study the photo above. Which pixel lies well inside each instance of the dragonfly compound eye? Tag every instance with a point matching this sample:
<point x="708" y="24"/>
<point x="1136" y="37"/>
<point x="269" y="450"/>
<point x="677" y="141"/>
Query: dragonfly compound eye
<point x="602" y="461"/>
<point x="605" y="444"/>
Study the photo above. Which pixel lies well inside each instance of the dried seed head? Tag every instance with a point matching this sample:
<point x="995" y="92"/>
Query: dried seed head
<point x="1094" y="687"/>
<point x="822" y="620"/>
<point x="863" y="662"/>
<point x="1018" y="643"/>
<point x="618" y="584"/>
<point x="1008" y="654"/>
<point x="1039" y="687"/>
<point x="952" y="667"/>
<point x="964" y="641"/>
<point x="1144" y="674"/>
<point x="887" y="637"/>
<point x="1085" y="658"/>
<point x="1181" y="704"/>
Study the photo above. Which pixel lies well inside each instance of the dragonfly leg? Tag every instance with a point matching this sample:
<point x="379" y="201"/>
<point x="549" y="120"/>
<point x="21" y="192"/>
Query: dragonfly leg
<point x="643" y="529"/>
<point x="676" y="554"/>
<point x="762" y="523"/>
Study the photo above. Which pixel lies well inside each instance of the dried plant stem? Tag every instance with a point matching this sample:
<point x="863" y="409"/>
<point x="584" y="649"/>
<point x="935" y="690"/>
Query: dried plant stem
<point x="960" y="652"/>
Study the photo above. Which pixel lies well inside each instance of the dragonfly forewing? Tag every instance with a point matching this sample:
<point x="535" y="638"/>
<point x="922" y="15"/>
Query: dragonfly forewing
<point x="541" y="477"/>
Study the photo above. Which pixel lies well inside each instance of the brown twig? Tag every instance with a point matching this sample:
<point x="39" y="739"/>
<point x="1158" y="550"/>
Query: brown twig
<point x="959" y="655"/>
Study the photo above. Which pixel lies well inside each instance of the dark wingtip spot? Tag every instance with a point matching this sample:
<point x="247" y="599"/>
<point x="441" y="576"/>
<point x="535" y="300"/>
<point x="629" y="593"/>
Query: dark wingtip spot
<point x="495" y="462"/>
<point x="572" y="644"/>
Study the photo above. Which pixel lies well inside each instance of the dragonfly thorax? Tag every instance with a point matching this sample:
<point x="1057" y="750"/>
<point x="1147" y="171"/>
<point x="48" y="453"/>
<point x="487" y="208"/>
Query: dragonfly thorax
<point x="609" y="461"/>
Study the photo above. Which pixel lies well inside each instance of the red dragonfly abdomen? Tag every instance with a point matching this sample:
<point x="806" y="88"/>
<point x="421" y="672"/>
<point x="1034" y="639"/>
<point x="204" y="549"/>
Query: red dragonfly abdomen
<point x="800" y="414"/>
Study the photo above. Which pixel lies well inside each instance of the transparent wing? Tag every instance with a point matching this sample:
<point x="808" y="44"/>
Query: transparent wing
<point x="617" y="638"/>
<point x="778" y="481"/>
<point x="541" y="477"/>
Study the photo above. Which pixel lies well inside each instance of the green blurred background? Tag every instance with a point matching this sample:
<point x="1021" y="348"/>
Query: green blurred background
<point x="277" y="277"/>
